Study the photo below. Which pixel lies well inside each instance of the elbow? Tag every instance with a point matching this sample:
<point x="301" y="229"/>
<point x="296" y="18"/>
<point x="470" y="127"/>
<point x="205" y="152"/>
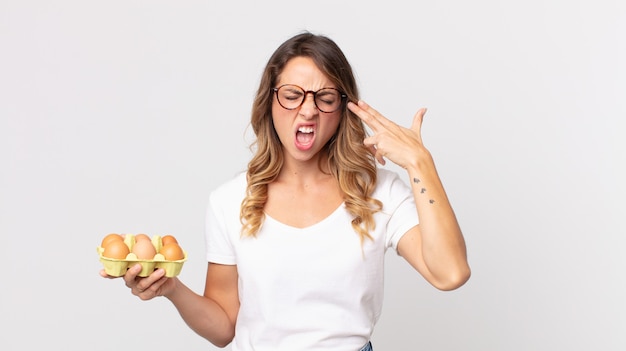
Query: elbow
<point x="222" y="343"/>
<point x="221" y="340"/>
<point x="454" y="280"/>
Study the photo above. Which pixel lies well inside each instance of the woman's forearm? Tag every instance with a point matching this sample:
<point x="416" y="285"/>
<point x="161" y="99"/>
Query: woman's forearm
<point x="203" y="315"/>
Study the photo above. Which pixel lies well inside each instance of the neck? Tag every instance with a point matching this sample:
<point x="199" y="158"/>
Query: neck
<point x="304" y="171"/>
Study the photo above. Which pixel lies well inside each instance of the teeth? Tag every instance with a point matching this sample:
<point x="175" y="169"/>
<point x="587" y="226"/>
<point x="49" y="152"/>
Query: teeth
<point x="305" y="129"/>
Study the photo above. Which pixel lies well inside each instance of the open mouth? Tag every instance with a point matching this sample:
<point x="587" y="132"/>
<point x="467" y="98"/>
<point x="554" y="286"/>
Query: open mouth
<point x="305" y="136"/>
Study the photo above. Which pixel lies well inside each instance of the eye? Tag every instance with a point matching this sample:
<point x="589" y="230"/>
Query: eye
<point x="291" y="94"/>
<point x="293" y="97"/>
<point x="327" y="96"/>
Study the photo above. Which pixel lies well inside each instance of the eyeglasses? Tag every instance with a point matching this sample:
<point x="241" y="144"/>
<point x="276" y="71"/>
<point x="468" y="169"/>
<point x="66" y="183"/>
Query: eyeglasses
<point x="326" y="100"/>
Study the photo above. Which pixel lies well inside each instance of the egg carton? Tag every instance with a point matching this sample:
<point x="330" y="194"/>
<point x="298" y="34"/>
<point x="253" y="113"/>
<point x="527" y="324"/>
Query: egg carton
<point x="117" y="267"/>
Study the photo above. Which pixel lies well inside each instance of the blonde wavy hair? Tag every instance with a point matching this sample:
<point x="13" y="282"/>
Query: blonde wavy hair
<point x="349" y="161"/>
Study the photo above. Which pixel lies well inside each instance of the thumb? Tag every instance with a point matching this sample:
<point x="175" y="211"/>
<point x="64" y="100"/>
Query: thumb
<point x="418" y="119"/>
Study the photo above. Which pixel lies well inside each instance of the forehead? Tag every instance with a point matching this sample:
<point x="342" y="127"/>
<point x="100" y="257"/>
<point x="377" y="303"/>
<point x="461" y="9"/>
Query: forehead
<point x="304" y="72"/>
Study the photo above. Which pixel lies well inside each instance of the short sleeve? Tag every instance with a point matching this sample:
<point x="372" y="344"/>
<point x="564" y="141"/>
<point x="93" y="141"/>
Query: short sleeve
<point x="222" y="225"/>
<point x="218" y="246"/>
<point x="398" y="206"/>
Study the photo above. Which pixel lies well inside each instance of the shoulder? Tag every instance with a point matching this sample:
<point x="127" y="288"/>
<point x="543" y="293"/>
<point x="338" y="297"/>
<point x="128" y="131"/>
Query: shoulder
<point x="236" y="183"/>
<point x="392" y="189"/>
<point x="385" y="175"/>
<point x="388" y="180"/>
<point x="231" y="191"/>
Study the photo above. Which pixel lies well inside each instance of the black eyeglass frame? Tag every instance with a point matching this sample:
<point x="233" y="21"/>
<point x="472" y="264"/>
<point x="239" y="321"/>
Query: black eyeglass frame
<point x="343" y="97"/>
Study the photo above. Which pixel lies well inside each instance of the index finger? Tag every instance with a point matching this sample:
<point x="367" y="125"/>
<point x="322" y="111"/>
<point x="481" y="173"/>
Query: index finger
<point x="368" y="115"/>
<point x="104" y="274"/>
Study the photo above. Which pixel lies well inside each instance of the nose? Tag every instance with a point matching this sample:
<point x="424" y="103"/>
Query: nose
<point x="308" y="109"/>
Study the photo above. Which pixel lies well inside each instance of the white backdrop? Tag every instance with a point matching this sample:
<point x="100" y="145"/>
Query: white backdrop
<point x="121" y="116"/>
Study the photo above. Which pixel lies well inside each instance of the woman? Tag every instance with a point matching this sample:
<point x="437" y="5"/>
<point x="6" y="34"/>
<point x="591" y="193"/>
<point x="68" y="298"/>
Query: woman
<point x="296" y="244"/>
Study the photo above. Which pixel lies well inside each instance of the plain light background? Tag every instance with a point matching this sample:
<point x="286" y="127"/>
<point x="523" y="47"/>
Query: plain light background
<point x="122" y="116"/>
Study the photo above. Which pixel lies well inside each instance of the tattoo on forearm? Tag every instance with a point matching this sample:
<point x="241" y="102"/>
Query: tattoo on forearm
<point x="423" y="190"/>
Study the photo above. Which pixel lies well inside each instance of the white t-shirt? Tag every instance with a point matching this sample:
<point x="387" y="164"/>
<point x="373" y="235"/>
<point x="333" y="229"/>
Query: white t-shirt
<point x="315" y="288"/>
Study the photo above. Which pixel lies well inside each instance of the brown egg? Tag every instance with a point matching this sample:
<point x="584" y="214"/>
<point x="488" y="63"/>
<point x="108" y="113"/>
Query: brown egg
<point x="115" y="249"/>
<point x="172" y="252"/>
<point x="166" y="239"/>
<point x="144" y="250"/>
<point x="140" y="237"/>
<point x="109" y="237"/>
